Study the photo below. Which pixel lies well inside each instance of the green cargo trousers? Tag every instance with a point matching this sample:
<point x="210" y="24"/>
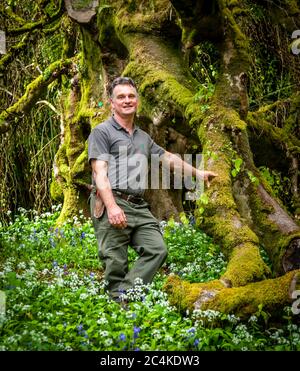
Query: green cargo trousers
<point x="142" y="234"/>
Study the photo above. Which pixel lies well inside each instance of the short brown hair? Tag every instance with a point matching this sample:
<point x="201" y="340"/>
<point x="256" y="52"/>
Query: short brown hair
<point x="120" y="81"/>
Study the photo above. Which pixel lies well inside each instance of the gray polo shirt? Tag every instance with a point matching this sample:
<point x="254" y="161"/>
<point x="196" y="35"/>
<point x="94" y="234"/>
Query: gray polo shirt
<point x="128" y="156"/>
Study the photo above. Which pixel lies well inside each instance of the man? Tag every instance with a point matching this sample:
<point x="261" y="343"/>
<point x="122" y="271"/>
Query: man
<point x="117" y="149"/>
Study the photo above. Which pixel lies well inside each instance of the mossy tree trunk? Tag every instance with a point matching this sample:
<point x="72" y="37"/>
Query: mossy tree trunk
<point x="154" y="43"/>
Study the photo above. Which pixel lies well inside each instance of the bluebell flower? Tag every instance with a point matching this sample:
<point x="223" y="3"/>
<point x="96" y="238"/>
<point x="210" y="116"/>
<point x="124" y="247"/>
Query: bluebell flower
<point x="122" y="337"/>
<point x="136" y="331"/>
<point x="196" y="342"/>
<point x="191" y="330"/>
<point x="55" y="263"/>
<point x="82" y="235"/>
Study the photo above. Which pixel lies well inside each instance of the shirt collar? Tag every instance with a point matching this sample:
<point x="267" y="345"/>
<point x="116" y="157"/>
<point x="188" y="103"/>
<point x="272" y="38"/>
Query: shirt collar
<point x="119" y="127"/>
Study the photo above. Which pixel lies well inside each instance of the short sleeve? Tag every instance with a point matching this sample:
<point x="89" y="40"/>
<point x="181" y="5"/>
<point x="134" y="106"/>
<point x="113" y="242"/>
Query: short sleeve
<point x="155" y="149"/>
<point x="98" y="145"/>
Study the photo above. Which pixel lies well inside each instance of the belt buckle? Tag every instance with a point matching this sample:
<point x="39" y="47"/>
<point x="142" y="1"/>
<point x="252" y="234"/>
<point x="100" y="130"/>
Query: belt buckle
<point x="130" y="197"/>
<point x="136" y="199"/>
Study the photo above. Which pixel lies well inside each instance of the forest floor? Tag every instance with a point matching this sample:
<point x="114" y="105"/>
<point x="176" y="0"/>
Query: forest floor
<point x="53" y="295"/>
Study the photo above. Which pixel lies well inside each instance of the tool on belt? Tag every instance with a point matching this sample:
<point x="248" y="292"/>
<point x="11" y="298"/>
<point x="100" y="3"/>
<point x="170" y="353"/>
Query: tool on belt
<point x="99" y="206"/>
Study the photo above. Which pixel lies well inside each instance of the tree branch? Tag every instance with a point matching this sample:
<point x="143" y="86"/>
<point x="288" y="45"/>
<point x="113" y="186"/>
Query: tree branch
<point x="243" y="301"/>
<point x="14" y="50"/>
<point x="258" y="124"/>
<point x="8" y="13"/>
<point x="30" y="26"/>
<point x="33" y="92"/>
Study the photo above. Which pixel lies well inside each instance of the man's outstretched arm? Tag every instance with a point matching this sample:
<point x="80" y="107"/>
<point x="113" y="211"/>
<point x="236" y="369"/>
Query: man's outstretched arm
<point x="178" y="165"/>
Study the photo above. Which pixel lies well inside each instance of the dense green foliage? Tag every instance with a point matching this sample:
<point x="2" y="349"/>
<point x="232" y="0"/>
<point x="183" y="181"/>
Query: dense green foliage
<point x="56" y="299"/>
<point x="27" y="151"/>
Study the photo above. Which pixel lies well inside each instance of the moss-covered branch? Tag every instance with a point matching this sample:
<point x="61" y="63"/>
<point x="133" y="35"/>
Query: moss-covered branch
<point x="33" y="92"/>
<point x="278" y="124"/>
<point x="13" y="51"/>
<point x="81" y="112"/>
<point x="31" y="26"/>
<point x="272" y="295"/>
<point x="258" y="123"/>
<point x="223" y="218"/>
<point x="8" y="13"/>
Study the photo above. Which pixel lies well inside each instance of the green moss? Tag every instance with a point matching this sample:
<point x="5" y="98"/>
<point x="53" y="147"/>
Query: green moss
<point x="13" y="16"/>
<point x="233" y="3"/>
<point x="26" y="27"/>
<point x="228" y="230"/>
<point x="147" y="18"/>
<point x="82" y="4"/>
<point x="70" y="205"/>
<point x="184" y="295"/>
<point x="284" y="137"/>
<point x="274" y="240"/>
<point x="62" y="161"/>
<point x="56" y="190"/>
<point x="34" y="90"/>
<point x="168" y="87"/>
<point x="52" y="47"/>
<point x="12" y="52"/>
<point x="81" y="112"/>
<point x="52" y="14"/>
<point x="92" y="84"/>
<point x="150" y="66"/>
<point x="270" y="294"/>
<point x="246" y="265"/>
<point x="81" y="166"/>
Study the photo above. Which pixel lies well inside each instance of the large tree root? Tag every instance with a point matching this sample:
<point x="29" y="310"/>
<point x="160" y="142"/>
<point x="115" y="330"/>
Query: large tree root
<point x="271" y="294"/>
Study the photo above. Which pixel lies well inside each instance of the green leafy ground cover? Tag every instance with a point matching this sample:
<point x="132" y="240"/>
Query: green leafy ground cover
<point x="55" y="296"/>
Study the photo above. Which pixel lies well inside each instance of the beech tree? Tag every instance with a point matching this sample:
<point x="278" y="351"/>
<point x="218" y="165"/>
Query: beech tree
<point x="220" y="78"/>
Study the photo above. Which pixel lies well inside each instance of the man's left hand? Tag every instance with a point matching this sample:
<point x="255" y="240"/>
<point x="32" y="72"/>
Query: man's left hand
<point x="207" y="176"/>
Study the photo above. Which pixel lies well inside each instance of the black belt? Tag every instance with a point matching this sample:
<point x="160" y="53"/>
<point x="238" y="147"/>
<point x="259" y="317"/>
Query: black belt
<point x="132" y="198"/>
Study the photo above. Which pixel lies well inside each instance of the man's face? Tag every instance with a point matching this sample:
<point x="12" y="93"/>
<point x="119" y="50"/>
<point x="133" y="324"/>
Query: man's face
<point x="124" y="100"/>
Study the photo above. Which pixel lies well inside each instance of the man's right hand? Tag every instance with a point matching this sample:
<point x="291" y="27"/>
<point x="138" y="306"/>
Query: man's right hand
<point x="116" y="217"/>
